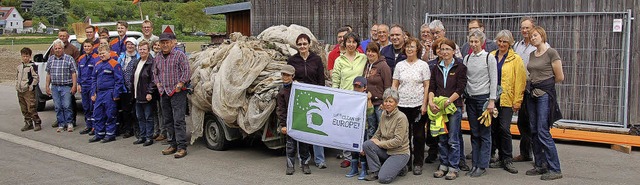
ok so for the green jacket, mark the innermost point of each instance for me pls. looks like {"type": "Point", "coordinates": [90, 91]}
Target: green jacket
{"type": "Point", "coordinates": [439, 119]}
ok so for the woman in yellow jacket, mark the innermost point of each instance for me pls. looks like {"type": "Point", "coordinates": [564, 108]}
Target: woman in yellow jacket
{"type": "Point", "coordinates": [512, 78]}
{"type": "Point", "coordinates": [349, 65]}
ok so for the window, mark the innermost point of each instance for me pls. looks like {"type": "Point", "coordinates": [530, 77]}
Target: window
{"type": "Point", "coordinates": [11, 23]}
{"type": "Point", "coordinates": [14, 15]}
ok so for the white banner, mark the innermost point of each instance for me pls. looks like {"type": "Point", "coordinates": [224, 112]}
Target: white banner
{"type": "Point", "coordinates": [328, 117]}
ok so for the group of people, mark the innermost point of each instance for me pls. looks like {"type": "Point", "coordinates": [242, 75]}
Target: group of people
{"type": "Point", "coordinates": [123, 81]}
{"type": "Point", "coordinates": [418, 89]}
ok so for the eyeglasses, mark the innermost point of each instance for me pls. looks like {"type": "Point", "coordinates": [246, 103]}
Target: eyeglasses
{"type": "Point", "coordinates": [302, 44]}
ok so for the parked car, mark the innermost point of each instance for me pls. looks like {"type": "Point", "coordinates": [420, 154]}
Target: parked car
{"type": "Point", "coordinates": [41, 61]}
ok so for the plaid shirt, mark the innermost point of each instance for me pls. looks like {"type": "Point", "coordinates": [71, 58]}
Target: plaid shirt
{"type": "Point", "coordinates": [61, 69]}
{"type": "Point", "coordinates": [170, 71]}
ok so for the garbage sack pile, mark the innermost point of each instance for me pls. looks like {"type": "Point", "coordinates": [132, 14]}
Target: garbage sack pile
{"type": "Point", "coordinates": [239, 80]}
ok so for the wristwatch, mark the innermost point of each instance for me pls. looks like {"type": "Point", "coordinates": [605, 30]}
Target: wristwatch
{"type": "Point", "coordinates": [448, 101]}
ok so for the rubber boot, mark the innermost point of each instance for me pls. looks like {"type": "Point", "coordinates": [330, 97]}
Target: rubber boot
{"type": "Point", "coordinates": [363, 171]}
{"type": "Point", "coordinates": [354, 169]}
{"type": "Point", "coordinates": [27, 126]}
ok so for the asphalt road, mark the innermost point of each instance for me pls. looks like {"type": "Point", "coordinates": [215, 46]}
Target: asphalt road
{"type": "Point", "coordinates": [47, 157]}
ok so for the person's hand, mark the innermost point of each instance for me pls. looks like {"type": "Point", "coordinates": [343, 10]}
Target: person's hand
{"type": "Point", "coordinates": [491, 106]}
{"type": "Point", "coordinates": [516, 108]}
{"type": "Point", "coordinates": [73, 90]}
{"type": "Point", "coordinates": [423, 109]}
{"type": "Point", "coordinates": [116, 99]}
{"type": "Point", "coordinates": [149, 97]}
{"type": "Point", "coordinates": [179, 87]}
{"type": "Point", "coordinates": [375, 141]}
{"type": "Point", "coordinates": [79, 89]}
{"type": "Point", "coordinates": [434, 107]}
{"type": "Point", "coordinates": [369, 95]}
{"type": "Point", "coordinates": [48, 90]}
{"type": "Point", "coordinates": [362, 153]}
{"type": "Point", "coordinates": [93, 98]}
{"type": "Point", "coordinates": [283, 130]}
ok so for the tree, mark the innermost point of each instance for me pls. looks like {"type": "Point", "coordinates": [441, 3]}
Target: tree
{"type": "Point", "coordinates": [52, 10]}
{"type": "Point", "coordinates": [192, 17]}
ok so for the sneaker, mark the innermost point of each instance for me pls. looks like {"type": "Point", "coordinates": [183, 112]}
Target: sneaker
{"type": "Point", "coordinates": [70, 128]}
{"type": "Point", "coordinates": [497, 164]}
{"type": "Point", "coordinates": [372, 176]}
{"type": "Point", "coordinates": [290, 170]}
{"type": "Point", "coordinates": [551, 176]}
{"type": "Point", "coordinates": [478, 172]}
{"type": "Point", "coordinates": [404, 171]}
{"type": "Point", "coordinates": [451, 175]}
{"type": "Point", "coordinates": [473, 169]}
{"type": "Point", "coordinates": [94, 139]}
{"type": "Point", "coordinates": [536, 171]}
{"type": "Point", "coordinates": [108, 139]}
{"type": "Point", "coordinates": [508, 166]}
{"type": "Point", "coordinates": [521, 158]}
{"type": "Point", "coordinates": [148, 142]}
{"type": "Point", "coordinates": [493, 160]}
{"type": "Point", "coordinates": [85, 131]}
{"type": "Point", "coordinates": [54, 125]}
{"type": "Point", "coordinates": [27, 126]}
{"type": "Point", "coordinates": [92, 132]}
{"type": "Point", "coordinates": [321, 165]}
{"type": "Point", "coordinates": [441, 172]}
{"type": "Point", "coordinates": [345, 164]}
{"type": "Point", "coordinates": [180, 154]}
{"type": "Point", "coordinates": [139, 141]}
{"type": "Point", "coordinates": [417, 170]}
{"type": "Point", "coordinates": [306, 169]}
{"type": "Point", "coordinates": [169, 151]}
{"type": "Point", "coordinates": [60, 129]}
{"type": "Point", "coordinates": [161, 138]}
{"type": "Point", "coordinates": [37, 127]}
{"type": "Point", "coordinates": [463, 166]}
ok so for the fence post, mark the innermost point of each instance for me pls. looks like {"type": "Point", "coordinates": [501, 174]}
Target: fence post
{"type": "Point", "coordinates": [627, 47]}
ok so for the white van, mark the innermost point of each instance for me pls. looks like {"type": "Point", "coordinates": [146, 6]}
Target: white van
{"type": "Point", "coordinates": [41, 61]}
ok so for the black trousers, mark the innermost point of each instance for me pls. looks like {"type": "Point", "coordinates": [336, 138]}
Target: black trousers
{"type": "Point", "coordinates": [416, 133]}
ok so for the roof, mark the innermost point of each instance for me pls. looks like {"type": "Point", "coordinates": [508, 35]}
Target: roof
{"type": "Point", "coordinates": [27, 23]}
{"type": "Point", "coordinates": [6, 11]}
{"type": "Point", "coordinates": [228, 8]}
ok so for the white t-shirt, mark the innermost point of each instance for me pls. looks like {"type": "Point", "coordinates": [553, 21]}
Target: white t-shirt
{"type": "Point", "coordinates": [411, 78]}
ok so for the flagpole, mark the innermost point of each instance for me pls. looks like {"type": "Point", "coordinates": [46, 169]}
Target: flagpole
{"type": "Point", "coordinates": [140, 8]}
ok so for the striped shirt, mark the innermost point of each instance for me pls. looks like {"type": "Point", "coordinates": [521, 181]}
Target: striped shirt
{"type": "Point", "coordinates": [60, 69]}
{"type": "Point", "coordinates": [170, 70]}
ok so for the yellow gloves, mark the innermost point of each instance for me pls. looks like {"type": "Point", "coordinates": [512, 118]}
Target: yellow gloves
{"type": "Point", "coordinates": [486, 117]}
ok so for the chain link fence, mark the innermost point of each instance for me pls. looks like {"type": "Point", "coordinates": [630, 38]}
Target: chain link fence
{"type": "Point", "coordinates": [595, 59]}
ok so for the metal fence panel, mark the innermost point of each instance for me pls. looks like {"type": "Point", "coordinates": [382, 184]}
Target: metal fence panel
{"type": "Point", "coordinates": [595, 59]}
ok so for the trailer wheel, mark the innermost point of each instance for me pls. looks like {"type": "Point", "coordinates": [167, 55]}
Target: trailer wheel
{"type": "Point", "coordinates": [214, 134]}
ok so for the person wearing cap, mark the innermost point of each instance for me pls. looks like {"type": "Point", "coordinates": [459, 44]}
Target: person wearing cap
{"type": "Point", "coordinates": [360, 85]}
{"type": "Point", "coordinates": [170, 74]}
{"type": "Point", "coordinates": [125, 105]}
{"type": "Point", "coordinates": [287, 73]}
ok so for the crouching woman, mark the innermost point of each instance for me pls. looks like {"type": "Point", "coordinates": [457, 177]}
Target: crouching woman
{"type": "Point", "coordinates": [390, 143]}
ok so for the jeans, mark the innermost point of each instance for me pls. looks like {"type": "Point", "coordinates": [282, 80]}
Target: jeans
{"type": "Point", "coordinates": [293, 147]}
{"type": "Point", "coordinates": [416, 133]}
{"type": "Point", "coordinates": [318, 154]}
{"type": "Point", "coordinates": [525, 130]}
{"type": "Point", "coordinates": [449, 144]}
{"type": "Point", "coordinates": [62, 100]}
{"type": "Point", "coordinates": [480, 134]}
{"type": "Point", "coordinates": [144, 112]}
{"type": "Point", "coordinates": [501, 129]}
{"type": "Point", "coordinates": [173, 111]}
{"type": "Point", "coordinates": [387, 166]}
{"type": "Point", "coordinates": [544, 148]}
{"type": "Point", "coordinates": [372, 121]}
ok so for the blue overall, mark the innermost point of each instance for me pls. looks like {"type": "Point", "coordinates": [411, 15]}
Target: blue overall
{"type": "Point", "coordinates": [107, 85]}
{"type": "Point", "coordinates": [86, 65]}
